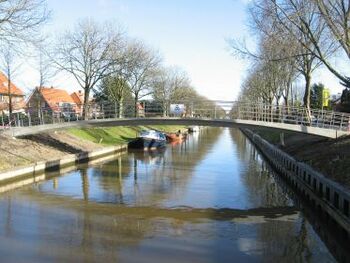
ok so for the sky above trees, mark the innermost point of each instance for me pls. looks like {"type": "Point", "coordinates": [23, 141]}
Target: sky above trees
{"type": "Point", "coordinates": [188, 33]}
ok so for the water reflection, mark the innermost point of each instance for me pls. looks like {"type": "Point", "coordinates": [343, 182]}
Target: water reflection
{"type": "Point", "coordinates": [209, 199]}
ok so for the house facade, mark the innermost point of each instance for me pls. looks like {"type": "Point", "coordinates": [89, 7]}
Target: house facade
{"type": "Point", "coordinates": [17, 96]}
{"type": "Point", "coordinates": [78, 98]}
{"type": "Point", "coordinates": [52, 101]}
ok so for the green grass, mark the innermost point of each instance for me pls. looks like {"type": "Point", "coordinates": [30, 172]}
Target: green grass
{"type": "Point", "coordinates": [273, 136]}
{"type": "Point", "coordinates": [116, 135]}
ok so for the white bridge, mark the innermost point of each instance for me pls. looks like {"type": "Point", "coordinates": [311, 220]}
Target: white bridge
{"type": "Point", "coordinates": [209, 113]}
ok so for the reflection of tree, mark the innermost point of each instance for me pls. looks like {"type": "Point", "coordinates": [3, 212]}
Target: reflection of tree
{"type": "Point", "coordinates": [155, 174]}
{"type": "Point", "coordinates": [269, 190]}
{"type": "Point", "coordinates": [85, 184]}
{"type": "Point", "coordinates": [257, 177]}
{"type": "Point", "coordinates": [55, 183]}
{"type": "Point", "coordinates": [9, 217]}
{"type": "Point", "coordinates": [300, 248]}
{"type": "Point", "coordinates": [110, 177]}
{"type": "Point", "coordinates": [166, 173]}
{"type": "Point", "coordinates": [79, 231]}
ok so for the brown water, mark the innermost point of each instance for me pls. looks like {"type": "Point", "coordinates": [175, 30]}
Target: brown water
{"type": "Point", "coordinates": [211, 199]}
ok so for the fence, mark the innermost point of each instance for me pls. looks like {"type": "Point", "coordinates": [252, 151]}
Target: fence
{"type": "Point", "coordinates": [192, 109]}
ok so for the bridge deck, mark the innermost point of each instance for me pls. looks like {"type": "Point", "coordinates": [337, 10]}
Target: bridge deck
{"type": "Point", "coordinates": [324, 132]}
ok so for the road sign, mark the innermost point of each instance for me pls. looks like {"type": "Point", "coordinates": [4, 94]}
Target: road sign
{"type": "Point", "coordinates": [325, 97]}
{"type": "Point", "coordinates": [177, 109]}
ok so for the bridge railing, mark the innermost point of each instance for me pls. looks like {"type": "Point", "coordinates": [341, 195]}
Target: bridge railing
{"type": "Point", "coordinates": [189, 109]}
{"type": "Point", "coordinates": [292, 115]}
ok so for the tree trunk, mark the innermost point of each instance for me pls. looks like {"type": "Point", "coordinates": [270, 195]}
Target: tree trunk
{"type": "Point", "coordinates": [135, 106]}
{"type": "Point", "coordinates": [120, 110]}
{"type": "Point", "coordinates": [10, 95]}
{"type": "Point", "coordinates": [270, 110]}
{"type": "Point", "coordinates": [307, 95]}
{"type": "Point", "coordinates": [86, 103]}
{"type": "Point", "coordinates": [165, 109]}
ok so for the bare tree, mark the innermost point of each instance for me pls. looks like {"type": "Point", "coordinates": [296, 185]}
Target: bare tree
{"type": "Point", "coordinates": [305, 20]}
{"type": "Point", "coordinates": [44, 68]}
{"type": "Point", "coordinates": [8, 65]}
{"type": "Point", "coordinates": [144, 64]}
{"type": "Point", "coordinates": [87, 53]}
{"type": "Point", "coordinates": [20, 20]}
{"type": "Point", "coordinates": [166, 82]}
{"type": "Point", "coordinates": [115, 89]}
{"type": "Point", "coordinates": [118, 87]}
{"type": "Point", "coordinates": [287, 23]}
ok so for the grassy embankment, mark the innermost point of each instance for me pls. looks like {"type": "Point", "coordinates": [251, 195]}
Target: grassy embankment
{"type": "Point", "coordinates": [329, 156]}
{"type": "Point", "coordinates": [117, 135]}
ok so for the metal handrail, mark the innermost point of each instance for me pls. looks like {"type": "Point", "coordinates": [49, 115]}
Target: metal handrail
{"type": "Point", "coordinates": [193, 109]}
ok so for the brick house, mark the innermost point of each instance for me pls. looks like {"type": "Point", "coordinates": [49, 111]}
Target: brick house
{"type": "Point", "coordinates": [78, 98]}
{"type": "Point", "coordinates": [17, 96]}
{"type": "Point", "coordinates": [52, 101]}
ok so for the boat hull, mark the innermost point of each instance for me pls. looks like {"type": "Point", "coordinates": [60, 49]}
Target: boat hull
{"type": "Point", "coordinates": [172, 137]}
{"type": "Point", "coordinates": [146, 144]}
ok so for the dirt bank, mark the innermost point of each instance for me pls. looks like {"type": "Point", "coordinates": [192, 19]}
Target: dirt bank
{"type": "Point", "coordinates": [20, 152]}
{"type": "Point", "coordinates": [329, 156]}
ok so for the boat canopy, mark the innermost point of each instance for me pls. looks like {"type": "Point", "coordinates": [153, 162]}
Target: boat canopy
{"type": "Point", "coordinates": [152, 134]}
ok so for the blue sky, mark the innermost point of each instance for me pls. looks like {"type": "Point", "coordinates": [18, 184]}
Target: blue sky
{"type": "Point", "coordinates": [188, 33]}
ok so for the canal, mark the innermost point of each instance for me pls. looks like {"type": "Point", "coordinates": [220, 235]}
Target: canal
{"type": "Point", "coordinates": [209, 199]}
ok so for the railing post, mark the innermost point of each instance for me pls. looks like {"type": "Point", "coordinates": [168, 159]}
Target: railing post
{"type": "Point", "coordinates": [103, 112]}
{"type": "Point", "coordinates": [29, 119]}
{"type": "Point", "coordinates": [2, 120]}
{"type": "Point", "coordinates": [43, 118]}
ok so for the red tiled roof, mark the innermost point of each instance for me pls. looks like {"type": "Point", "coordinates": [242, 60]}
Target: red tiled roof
{"type": "Point", "coordinates": [55, 96]}
{"type": "Point", "coordinates": [4, 87]}
{"type": "Point", "coordinates": [78, 97]}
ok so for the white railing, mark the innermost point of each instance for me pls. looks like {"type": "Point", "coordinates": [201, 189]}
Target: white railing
{"type": "Point", "coordinates": [228, 110]}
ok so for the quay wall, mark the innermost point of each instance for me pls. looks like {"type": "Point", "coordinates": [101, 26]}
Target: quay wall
{"type": "Point", "coordinates": [321, 192]}
{"type": "Point", "coordinates": [38, 168]}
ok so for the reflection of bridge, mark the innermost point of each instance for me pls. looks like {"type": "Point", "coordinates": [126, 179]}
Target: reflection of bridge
{"type": "Point", "coordinates": [217, 114]}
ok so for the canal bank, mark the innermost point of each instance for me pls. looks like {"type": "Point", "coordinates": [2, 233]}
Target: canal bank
{"type": "Point", "coordinates": [327, 196]}
{"type": "Point", "coordinates": [330, 157]}
{"type": "Point", "coordinates": [36, 154]}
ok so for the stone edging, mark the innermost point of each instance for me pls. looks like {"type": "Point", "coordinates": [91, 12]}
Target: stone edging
{"type": "Point", "coordinates": [319, 190]}
{"type": "Point", "coordinates": [52, 165]}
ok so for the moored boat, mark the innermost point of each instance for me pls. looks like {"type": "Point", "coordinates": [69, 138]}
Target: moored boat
{"type": "Point", "coordinates": [175, 137]}
{"type": "Point", "coordinates": [193, 129]}
{"type": "Point", "coordinates": [148, 140]}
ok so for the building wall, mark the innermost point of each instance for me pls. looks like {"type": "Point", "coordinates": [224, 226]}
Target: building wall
{"type": "Point", "coordinates": [18, 102]}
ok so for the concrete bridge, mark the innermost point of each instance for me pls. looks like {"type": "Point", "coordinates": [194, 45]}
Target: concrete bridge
{"type": "Point", "coordinates": [230, 123]}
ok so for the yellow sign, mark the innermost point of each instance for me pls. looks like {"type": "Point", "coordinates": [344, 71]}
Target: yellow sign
{"type": "Point", "coordinates": [325, 97]}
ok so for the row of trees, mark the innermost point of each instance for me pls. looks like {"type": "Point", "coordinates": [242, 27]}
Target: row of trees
{"type": "Point", "coordinates": [103, 60]}
{"type": "Point", "coordinates": [295, 37]}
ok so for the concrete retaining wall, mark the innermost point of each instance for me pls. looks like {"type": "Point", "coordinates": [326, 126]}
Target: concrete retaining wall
{"type": "Point", "coordinates": [41, 167]}
{"type": "Point", "coordinates": [322, 192]}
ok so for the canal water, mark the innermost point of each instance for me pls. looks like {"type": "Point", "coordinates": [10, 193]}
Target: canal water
{"type": "Point", "coordinates": [209, 199]}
